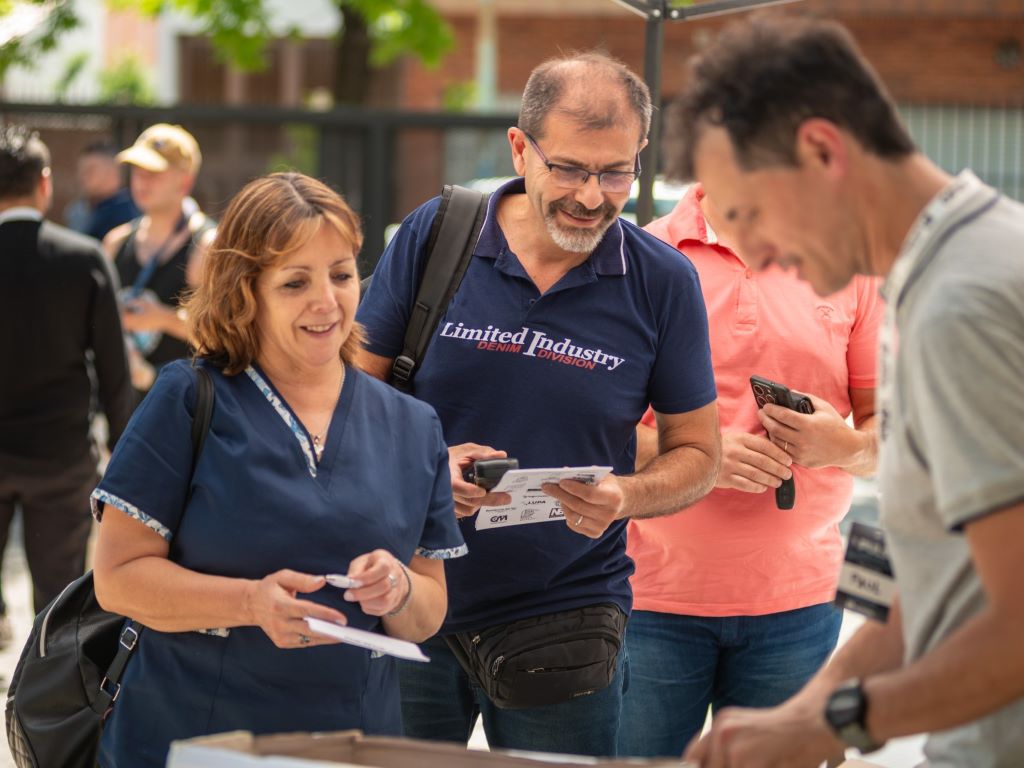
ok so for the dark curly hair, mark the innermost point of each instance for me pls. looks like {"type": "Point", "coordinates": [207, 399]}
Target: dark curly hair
{"type": "Point", "coordinates": [763, 77]}
{"type": "Point", "coordinates": [23, 159]}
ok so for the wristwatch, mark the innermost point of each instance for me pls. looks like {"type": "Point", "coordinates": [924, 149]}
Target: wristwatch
{"type": "Point", "coordinates": [846, 712]}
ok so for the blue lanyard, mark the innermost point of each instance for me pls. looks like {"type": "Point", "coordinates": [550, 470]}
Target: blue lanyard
{"type": "Point", "coordinates": [146, 273]}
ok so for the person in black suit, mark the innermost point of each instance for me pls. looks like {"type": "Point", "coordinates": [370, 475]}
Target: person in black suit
{"type": "Point", "coordinates": [61, 343]}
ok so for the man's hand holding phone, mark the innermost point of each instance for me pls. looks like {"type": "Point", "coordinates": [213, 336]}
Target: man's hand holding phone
{"type": "Point", "coordinates": [771, 394]}
{"type": "Point", "coordinates": [468, 496]}
{"type": "Point", "coordinates": [752, 463]}
{"type": "Point", "coordinates": [819, 439]}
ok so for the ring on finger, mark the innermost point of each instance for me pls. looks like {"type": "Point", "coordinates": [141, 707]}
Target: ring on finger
{"type": "Point", "coordinates": [392, 581]}
{"type": "Point", "coordinates": [579, 521]}
{"type": "Point", "coordinates": [785, 446]}
{"type": "Point", "coordinates": [305, 639]}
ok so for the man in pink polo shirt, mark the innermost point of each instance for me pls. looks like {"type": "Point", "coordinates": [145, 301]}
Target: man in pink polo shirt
{"type": "Point", "coordinates": [733, 596]}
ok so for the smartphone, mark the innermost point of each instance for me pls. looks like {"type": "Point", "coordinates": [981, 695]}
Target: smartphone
{"type": "Point", "coordinates": [768, 391]}
{"type": "Point", "coordinates": [487, 472]}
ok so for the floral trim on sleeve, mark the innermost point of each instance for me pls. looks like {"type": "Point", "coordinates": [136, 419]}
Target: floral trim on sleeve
{"type": "Point", "coordinates": [443, 554]}
{"type": "Point", "coordinates": [102, 497]}
{"type": "Point", "coordinates": [286, 415]}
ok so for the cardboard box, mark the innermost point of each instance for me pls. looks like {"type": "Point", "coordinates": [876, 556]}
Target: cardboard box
{"type": "Point", "coordinates": [350, 749]}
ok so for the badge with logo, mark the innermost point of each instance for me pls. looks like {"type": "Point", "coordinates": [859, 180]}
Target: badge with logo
{"type": "Point", "coordinates": [143, 341]}
{"type": "Point", "coordinates": [866, 582]}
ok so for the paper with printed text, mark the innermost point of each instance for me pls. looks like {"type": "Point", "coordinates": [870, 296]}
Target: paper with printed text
{"type": "Point", "coordinates": [529, 503]}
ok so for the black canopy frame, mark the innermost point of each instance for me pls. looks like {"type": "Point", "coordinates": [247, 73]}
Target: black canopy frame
{"type": "Point", "coordinates": [657, 13]}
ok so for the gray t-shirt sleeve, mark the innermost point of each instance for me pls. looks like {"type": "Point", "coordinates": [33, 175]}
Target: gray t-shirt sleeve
{"type": "Point", "coordinates": [964, 390]}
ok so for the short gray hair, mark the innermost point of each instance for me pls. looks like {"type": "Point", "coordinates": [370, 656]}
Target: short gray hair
{"type": "Point", "coordinates": [549, 82]}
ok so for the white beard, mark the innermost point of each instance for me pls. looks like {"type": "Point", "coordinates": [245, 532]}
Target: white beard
{"type": "Point", "coordinates": [575, 240]}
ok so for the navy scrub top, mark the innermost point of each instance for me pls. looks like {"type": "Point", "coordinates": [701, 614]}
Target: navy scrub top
{"type": "Point", "coordinates": [259, 503]}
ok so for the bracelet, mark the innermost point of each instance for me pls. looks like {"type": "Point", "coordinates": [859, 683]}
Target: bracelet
{"type": "Point", "coordinates": [405, 601]}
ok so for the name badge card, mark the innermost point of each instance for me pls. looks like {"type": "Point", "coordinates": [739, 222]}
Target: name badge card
{"type": "Point", "coordinates": [866, 582]}
{"type": "Point", "coordinates": [529, 503]}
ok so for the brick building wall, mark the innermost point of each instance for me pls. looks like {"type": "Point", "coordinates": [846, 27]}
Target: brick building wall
{"type": "Point", "coordinates": [927, 52]}
{"type": "Point", "coordinates": [923, 57]}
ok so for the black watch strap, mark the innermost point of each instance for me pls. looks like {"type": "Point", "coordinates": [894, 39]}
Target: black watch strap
{"type": "Point", "coordinates": [846, 713]}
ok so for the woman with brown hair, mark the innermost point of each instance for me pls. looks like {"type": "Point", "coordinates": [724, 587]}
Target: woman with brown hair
{"type": "Point", "coordinates": [310, 467]}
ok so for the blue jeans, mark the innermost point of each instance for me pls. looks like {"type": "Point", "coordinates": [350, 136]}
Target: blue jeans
{"type": "Point", "coordinates": [440, 703]}
{"type": "Point", "coordinates": [681, 665]}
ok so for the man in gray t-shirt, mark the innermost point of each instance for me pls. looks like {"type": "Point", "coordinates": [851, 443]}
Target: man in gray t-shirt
{"type": "Point", "coordinates": [798, 143]}
{"type": "Point", "coordinates": [952, 450]}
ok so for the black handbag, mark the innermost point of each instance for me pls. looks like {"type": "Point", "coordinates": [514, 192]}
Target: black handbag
{"type": "Point", "coordinates": [69, 673]}
{"type": "Point", "coordinates": [546, 659]}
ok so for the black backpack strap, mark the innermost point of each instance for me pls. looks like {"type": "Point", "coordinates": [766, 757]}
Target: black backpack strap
{"type": "Point", "coordinates": [111, 684]}
{"type": "Point", "coordinates": [450, 246]}
{"type": "Point", "coordinates": [204, 412]}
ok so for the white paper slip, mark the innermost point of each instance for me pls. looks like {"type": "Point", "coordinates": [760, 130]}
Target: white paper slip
{"type": "Point", "coordinates": [341, 581]}
{"type": "Point", "coordinates": [529, 503]}
{"type": "Point", "coordinates": [373, 641]}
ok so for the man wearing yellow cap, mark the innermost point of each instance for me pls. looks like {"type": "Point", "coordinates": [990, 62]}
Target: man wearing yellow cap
{"type": "Point", "coordinates": [158, 255]}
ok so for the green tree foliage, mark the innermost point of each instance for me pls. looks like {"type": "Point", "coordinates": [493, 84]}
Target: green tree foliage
{"type": "Point", "coordinates": [22, 50]}
{"type": "Point", "coordinates": [240, 30]}
{"type": "Point", "coordinates": [125, 83]}
{"type": "Point", "coordinates": [403, 26]}
{"type": "Point", "coordinates": [72, 69]}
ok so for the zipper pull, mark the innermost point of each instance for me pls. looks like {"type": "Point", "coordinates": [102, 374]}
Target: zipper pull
{"type": "Point", "coordinates": [476, 640]}
{"type": "Point", "coordinates": [496, 666]}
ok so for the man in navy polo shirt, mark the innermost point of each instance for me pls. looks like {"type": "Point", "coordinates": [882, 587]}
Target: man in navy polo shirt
{"type": "Point", "coordinates": [598, 319]}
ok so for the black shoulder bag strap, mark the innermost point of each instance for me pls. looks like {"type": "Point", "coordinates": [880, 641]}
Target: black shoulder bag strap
{"type": "Point", "coordinates": [111, 684]}
{"type": "Point", "coordinates": [450, 246]}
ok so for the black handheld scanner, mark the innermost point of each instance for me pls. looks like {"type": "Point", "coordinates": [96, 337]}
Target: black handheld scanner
{"type": "Point", "coordinates": [487, 472]}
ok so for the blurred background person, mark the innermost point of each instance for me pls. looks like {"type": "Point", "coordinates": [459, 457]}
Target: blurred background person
{"type": "Point", "coordinates": [106, 200]}
{"type": "Point", "coordinates": [310, 467]}
{"type": "Point", "coordinates": [59, 328]}
{"type": "Point", "coordinates": [158, 255]}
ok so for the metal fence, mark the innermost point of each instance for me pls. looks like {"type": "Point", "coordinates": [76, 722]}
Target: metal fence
{"type": "Point", "coordinates": [384, 162]}
{"type": "Point", "coordinates": [989, 140]}
{"type": "Point", "coordinates": [387, 162]}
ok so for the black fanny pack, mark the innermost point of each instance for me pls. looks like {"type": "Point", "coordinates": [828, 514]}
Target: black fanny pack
{"type": "Point", "coordinates": [546, 659]}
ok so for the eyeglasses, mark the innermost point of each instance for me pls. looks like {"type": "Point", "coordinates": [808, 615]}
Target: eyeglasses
{"type": "Point", "coordinates": [574, 177]}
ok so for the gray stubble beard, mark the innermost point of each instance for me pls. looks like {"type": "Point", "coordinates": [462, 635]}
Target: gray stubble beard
{"type": "Point", "coordinates": [578, 241]}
